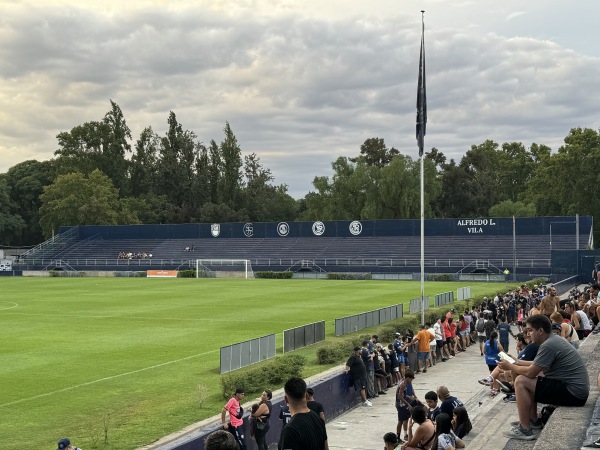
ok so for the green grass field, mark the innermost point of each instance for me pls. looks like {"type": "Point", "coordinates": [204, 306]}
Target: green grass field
{"type": "Point", "coordinates": [136, 359]}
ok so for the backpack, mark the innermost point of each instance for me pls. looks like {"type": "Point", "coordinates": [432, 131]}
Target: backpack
{"type": "Point", "coordinates": [479, 326]}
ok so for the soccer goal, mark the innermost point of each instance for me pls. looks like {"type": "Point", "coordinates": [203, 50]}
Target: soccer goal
{"type": "Point", "coordinates": [224, 268]}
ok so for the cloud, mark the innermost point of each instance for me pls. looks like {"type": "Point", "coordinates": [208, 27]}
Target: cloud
{"type": "Point", "coordinates": [299, 89]}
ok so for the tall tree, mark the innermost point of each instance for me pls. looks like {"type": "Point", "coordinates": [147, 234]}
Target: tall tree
{"type": "Point", "coordinates": [11, 224]}
{"type": "Point", "coordinates": [97, 145]}
{"type": "Point", "coordinates": [376, 153]}
{"type": "Point", "coordinates": [26, 181]}
{"type": "Point", "coordinates": [144, 164]}
{"type": "Point", "coordinates": [74, 199]}
{"type": "Point", "coordinates": [230, 181]}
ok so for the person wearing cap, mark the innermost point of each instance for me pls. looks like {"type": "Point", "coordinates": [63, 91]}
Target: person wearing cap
{"type": "Point", "coordinates": [358, 374]}
{"type": "Point", "coordinates": [65, 444]}
{"type": "Point", "coordinates": [236, 421]}
{"type": "Point", "coordinates": [565, 381]}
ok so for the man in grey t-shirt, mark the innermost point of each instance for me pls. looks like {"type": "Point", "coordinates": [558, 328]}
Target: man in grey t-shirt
{"type": "Point", "coordinates": [565, 381]}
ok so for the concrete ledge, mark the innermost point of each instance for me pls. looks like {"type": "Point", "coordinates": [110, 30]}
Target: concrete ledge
{"type": "Point", "coordinates": [567, 427]}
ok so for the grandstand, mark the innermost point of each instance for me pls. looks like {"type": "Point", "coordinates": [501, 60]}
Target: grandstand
{"type": "Point", "coordinates": [388, 246]}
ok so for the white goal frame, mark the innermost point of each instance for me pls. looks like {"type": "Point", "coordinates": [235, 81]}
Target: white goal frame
{"type": "Point", "coordinates": [246, 263]}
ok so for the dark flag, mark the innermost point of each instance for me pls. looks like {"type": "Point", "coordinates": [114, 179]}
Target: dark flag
{"type": "Point", "coordinates": [421, 97]}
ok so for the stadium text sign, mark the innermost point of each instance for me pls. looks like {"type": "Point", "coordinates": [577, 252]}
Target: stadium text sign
{"type": "Point", "coordinates": [475, 225]}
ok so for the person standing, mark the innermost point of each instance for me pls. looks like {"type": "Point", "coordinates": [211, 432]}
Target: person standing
{"type": "Point", "coordinates": [423, 338]}
{"type": "Point", "coordinates": [367, 357]}
{"type": "Point", "coordinates": [306, 430]}
{"type": "Point", "coordinates": [236, 421]}
{"type": "Point", "coordinates": [263, 415]}
{"type": "Point", "coordinates": [358, 374]}
{"type": "Point", "coordinates": [313, 405]}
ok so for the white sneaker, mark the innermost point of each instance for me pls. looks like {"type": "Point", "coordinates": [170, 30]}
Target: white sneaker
{"type": "Point", "coordinates": [367, 403]}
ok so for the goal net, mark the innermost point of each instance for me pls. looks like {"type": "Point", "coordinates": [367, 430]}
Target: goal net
{"type": "Point", "coordinates": [224, 268]}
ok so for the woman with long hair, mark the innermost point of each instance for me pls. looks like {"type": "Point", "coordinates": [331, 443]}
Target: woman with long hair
{"type": "Point", "coordinates": [445, 439]}
{"type": "Point", "coordinates": [461, 424]}
{"type": "Point", "coordinates": [262, 416]}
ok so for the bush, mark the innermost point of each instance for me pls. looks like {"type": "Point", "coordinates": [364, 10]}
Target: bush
{"type": "Point", "coordinates": [141, 274]}
{"type": "Point", "coordinates": [271, 374]}
{"type": "Point", "coordinates": [348, 276]}
{"type": "Point", "coordinates": [190, 273]}
{"type": "Point", "coordinates": [439, 277]}
{"type": "Point", "coordinates": [286, 275]}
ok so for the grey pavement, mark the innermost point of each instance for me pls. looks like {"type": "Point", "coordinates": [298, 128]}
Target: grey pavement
{"type": "Point", "coordinates": [363, 427]}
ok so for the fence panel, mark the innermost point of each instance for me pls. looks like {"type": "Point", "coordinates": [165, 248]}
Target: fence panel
{"type": "Point", "coordinates": [304, 335]}
{"type": "Point", "coordinates": [245, 353]}
{"type": "Point", "coordinates": [415, 304]}
{"type": "Point", "coordinates": [349, 324]}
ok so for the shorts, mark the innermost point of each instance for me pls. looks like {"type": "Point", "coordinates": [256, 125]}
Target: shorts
{"type": "Point", "coordinates": [440, 344]}
{"type": "Point", "coordinates": [403, 412]}
{"type": "Point", "coordinates": [423, 356]}
{"type": "Point", "coordinates": [464, 333]}
{"type": "Point", "coordinates": [401, 360]}
{"type": "Point", "coordinates": [359, 385]}
{"type": "Point", "coordinates": [555, 392]}
{"type": "Point", "coordinates": [492, 366]}
{"type": "Point", "coordinates": [482, 339]}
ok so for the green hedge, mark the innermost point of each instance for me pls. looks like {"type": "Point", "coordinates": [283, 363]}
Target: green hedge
{"type": "Point", "coordinates": [348, 276]}
{"type": "Point", "coordinates": [439, 277]}
{"type": "Point", "coordinates": [275, 275]}
{"type": "Point", "coordinates": [270, 374]}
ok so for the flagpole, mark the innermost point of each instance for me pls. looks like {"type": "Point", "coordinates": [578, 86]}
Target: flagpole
{"type": "Point", "coordinates": [421, 124]}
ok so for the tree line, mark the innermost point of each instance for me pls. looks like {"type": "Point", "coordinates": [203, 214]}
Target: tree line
{"type": "Point", "coordinates": [100, 176]}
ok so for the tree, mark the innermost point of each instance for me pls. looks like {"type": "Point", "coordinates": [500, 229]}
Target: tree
{"type": "Point", "coordinates": [99, 145]}
{"type": "Point", "coordinates": [74, 199]}
{"type": "Point", "coordinates": [11, 224]}
{"type": "Point", "coordinates": [508, 208]}
{"type": "Point", "coordinates": [26, 182]}
{"type": "Point", "coordinates": [229, 185]}
{"type": "Point", "coordinates": [376, 153]}
{"type": "Point", "coordinates": [143, 169]}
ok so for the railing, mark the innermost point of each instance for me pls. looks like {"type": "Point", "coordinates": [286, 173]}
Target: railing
{"type": "Point", "coordinates": [275, 262]}
{"type": "Point", "coordinates": [53, 245]}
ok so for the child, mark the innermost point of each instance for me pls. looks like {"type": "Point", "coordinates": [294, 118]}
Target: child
{"type": "Point", "coordinates": [431, 399]}
{"type": "Point", "coordinates": [461, 424]}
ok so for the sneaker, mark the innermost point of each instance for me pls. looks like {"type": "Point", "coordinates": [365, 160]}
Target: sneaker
{"type": "Point", "coordinates": [418, 371]}
{"type": "Point", "coordinates": [519, 433]}
{"type": "Point", "coordinates": [406, 437]}
{"type": "Point", "coordinates": [535, 424]}
{"type": "Point", "coordinates": [424, 370]}
{"type": "Point", "coordinates": [511, 399]}
{"type": "Point", "coordinates": [367, 403]}
{"type": "Point", "coordinates": [485, 382]}
{"type": "Point", "coordinates": [444, 359]}
{"type": "Point", "coordinates": [382, 393]}
{"type": "Point", "coordinates": [505, 387]}
{"type": "Point", "coordinates": [493, 393]}
{"type": "Point", "coordinates": [451, 356]}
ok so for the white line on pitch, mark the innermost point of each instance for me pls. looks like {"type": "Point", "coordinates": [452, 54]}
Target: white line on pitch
{"type": "Point", "coordinates": [106, 379]}
{"type": "Point", "coordinates": [14, 305]}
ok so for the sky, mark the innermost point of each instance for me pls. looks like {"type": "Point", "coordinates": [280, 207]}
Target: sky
{"type": "Point", "coordinates": [301, 82]}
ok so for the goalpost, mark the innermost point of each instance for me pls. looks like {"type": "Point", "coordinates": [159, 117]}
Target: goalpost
{"type": "Point", "coordinates": [224, 268]}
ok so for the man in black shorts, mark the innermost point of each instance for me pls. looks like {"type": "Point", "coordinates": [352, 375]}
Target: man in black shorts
{"type": "Point", "coordinates": [565, 381]}
{"type": "Point", "coordinates": [358, 374]}
{"type": "Point", "coordinates": [306, 430]}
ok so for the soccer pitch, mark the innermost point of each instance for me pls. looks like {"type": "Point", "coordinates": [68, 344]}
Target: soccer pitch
{"type": "Point", "coordinates": [121, 362]}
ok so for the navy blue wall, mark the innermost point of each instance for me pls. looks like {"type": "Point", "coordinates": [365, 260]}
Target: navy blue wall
{"type": "Point", "coordinates": [344, 228]}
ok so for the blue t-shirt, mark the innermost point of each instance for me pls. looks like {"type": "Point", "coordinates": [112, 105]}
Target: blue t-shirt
{"type": "Point", "coordinates": [529, 352]}
{"type": "Point", "coordinates": [503, 331]}
{"type": "Point", "coordinates": [491, 352]}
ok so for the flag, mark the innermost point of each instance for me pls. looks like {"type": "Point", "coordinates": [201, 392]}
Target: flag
{"type": "Point", "coordinates": [421, 97]}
